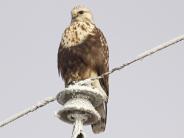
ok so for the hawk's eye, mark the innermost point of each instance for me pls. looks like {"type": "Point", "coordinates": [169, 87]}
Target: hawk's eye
{"type": "Point", "coordinates": [81, 12]}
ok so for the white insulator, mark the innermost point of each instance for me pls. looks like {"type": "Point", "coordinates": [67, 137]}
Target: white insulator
{"type": "Point", "coordinates": [78, 106]}
{"type": "Point", "coordinates": [79, 103]}
{"type": "Point", "coordinates": [94, 95]}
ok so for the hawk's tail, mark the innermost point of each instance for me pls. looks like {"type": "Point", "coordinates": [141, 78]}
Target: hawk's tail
{"type": "Point", "coordinates": [100, 125]}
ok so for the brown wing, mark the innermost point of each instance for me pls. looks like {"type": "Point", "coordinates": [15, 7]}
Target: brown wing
{"type": "Point", "coordinates": [105, 66]}
{"type": "Point", "coordinates": [104, 82]}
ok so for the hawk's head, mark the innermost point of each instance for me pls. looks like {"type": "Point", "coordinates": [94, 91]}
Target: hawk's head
{"type": "Point", "coordinates": [81, 13]}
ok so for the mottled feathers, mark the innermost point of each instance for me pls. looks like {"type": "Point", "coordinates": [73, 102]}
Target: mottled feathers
{"type": "Point", "coordinates": [82, 54]}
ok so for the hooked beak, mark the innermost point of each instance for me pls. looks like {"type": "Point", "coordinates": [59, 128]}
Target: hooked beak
{"type": "Point", "coordinates": [74, 15]}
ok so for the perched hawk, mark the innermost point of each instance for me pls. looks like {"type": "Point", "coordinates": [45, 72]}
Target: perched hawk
{"type": "Point", "coordinates": [83, 54]}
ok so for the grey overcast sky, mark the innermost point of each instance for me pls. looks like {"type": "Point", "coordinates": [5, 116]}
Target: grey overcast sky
{"type": "Point", "coordinates": [146, 99]}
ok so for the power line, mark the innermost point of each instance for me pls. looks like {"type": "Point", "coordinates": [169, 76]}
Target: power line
{"type": "Point", "coordinates": [138, 58]}
{"type": "Point", "coordinates": [28, 110]}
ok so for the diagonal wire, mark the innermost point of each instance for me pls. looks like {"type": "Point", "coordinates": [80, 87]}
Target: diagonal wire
{"type": "Point", "coordinates": [27, 110]}
{"type": "Point", "coordinates": [138, 58]}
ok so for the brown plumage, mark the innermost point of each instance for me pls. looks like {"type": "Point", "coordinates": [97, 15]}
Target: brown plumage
{"type": "Point", "coordinates": [82, 54]}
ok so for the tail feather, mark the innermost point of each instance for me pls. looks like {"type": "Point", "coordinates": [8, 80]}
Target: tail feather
{"type": "Point", "coordinates": [100, 125]}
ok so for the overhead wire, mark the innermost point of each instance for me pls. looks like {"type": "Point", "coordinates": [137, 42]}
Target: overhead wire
{"type": "Point", "coordinates": [52, 99]}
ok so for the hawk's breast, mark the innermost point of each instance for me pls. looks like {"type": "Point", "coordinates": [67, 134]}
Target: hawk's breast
{"type": "Point", "coordinates": [76, 33]}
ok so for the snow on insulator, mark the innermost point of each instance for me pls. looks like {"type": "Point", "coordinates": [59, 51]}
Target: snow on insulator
{"type": "Point", "coordinates": [79, 102]}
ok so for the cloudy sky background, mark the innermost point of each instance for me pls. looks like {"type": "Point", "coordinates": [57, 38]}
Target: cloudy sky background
{"type": "Point", "coordinates": [146, 99]}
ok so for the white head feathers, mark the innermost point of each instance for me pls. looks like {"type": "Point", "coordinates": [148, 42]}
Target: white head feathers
{"type": "Point", "coordinates": [81, 13]}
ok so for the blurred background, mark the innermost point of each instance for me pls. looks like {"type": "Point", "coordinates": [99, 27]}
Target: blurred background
{"type": "Point", "coordinates": [146, 98]}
